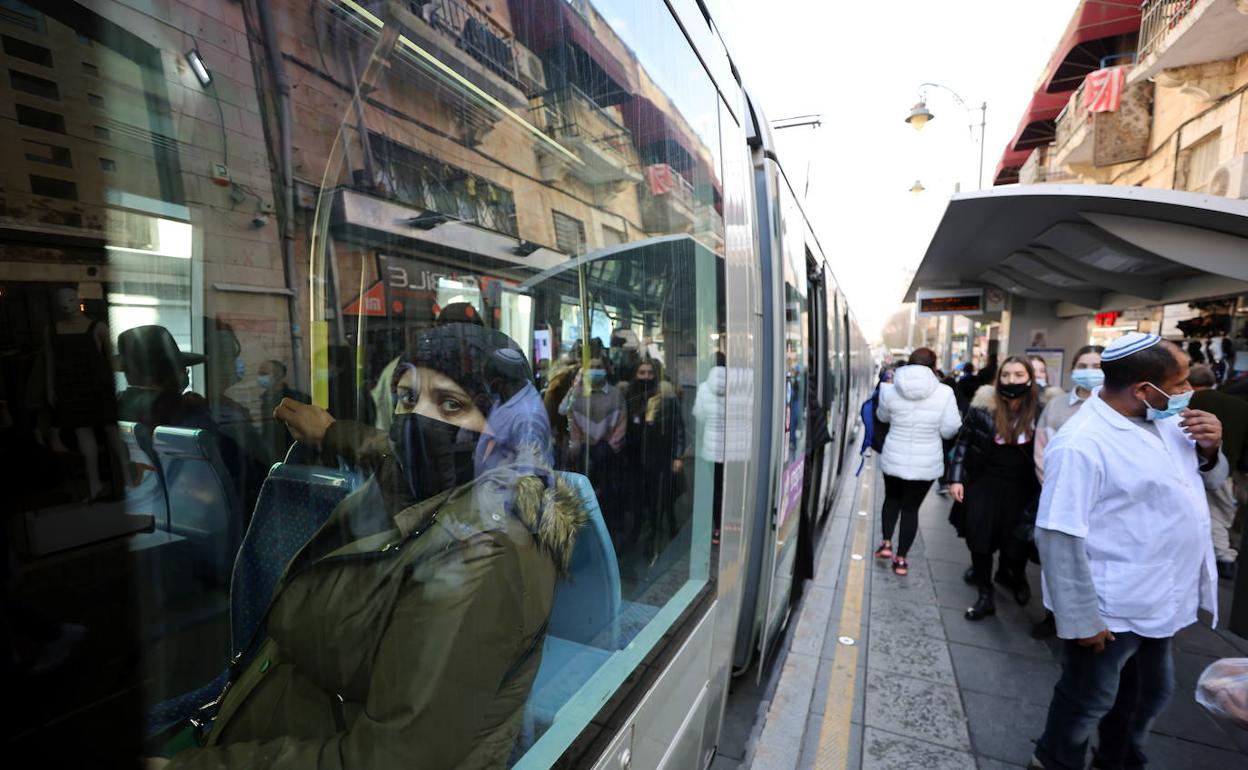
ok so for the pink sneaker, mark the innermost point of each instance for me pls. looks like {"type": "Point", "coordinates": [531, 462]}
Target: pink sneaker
{"type": "Point", "coordinates": [885, 551]}
{"type": "Point", "coordinates": [900, 565]}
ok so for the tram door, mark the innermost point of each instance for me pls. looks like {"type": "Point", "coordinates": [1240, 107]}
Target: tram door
{"type": "Point", "coordinates": [815, 478]}
{"type": "Point", "coordinates": [794, 318]}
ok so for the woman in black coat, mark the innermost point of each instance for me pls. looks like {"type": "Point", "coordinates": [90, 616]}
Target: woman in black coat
{"type": "Point", "coordinates": [993, 478]}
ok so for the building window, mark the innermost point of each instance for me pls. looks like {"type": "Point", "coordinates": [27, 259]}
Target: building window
{"type": "Point", "coordinates": [90, 69]}
{"type": "Point", "coordinates": [103, 134]}
{"type": "Point", "coordinates": [108, 164]}
{"type": "Point", "coordinates": [425, 182]}
{"type": "Point", "coordinates": [20, 49]}
{"type": "Point", "coordinates": [41, 119]}
{"type": "Point", "coordinates": [53, 188]}
{"type": "Point", "coordinates": [1198, 163]}
{"type": "Point", "coordinates": [42, 152]}
{"type": "Point", "coordinates": [569, 234]}
{"type": "Point", "coordinates": [613, 237]}
{"type": "Point", "coordinates": [21, 15]}
{"type": "Point", "coordinates": [35, 86]}
{"type": "Point", "coordinates": [95, 100]}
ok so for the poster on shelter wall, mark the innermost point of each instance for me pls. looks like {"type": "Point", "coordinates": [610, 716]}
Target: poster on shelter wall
{"type": "Point", "coordinates": [1054, 362]}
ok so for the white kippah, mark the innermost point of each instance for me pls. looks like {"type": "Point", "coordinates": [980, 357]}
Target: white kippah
{"type": "Point", "coordinates": [1128, 344]}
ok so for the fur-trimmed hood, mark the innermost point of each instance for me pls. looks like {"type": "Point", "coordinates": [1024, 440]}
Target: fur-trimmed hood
{"type": "Point", "coordinates": [554, 516]}
{"type": "Point", "coordinates": [986, 397]}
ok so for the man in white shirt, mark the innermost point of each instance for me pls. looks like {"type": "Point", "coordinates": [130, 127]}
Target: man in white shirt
{"type": "Point", "coordinates": [1123, 534]}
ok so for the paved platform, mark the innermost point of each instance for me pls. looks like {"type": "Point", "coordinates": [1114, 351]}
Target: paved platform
{"type": "Point", "coordinates": [884, 672]}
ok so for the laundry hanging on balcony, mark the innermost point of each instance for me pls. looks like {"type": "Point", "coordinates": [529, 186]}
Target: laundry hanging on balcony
{"type": "Point", "coordinates": [661, 178]}
{"type": "Point", "coordinates": [1102, 90]}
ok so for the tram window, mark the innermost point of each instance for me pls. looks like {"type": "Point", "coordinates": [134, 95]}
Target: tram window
{"type": "Point", "coordinates": [369, 415]}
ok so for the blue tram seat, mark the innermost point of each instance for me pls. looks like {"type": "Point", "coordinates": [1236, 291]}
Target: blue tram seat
{"type": "Point", "coordinates": [582, 633]}
{"type": "Point", "coordinates": [294, 502]}
{"type": "Point", "coordinates": [203, 504]}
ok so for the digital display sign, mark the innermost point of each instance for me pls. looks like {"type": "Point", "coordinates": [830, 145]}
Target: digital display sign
{"type": "Point", "coordinates": [949, 302]}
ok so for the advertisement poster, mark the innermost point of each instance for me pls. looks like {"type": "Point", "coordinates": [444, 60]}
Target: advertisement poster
{"type": "Point", "coordinates": [791, 491]}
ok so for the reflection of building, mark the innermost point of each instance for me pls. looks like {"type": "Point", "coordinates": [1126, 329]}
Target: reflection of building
{"type": "Point", "coordinates": [528, 123]}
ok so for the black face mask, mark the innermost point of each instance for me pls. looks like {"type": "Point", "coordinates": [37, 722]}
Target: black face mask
{"type": "Point", "coordinates": [647, 386]}
{"type": "Point", "coordinates": [435, 455]}
{"type": "Point", "coordinates": [1014, 390]}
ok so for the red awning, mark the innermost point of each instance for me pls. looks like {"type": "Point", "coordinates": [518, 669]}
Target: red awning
{"type": "Point", "coordinates": [1007, 169]}
{"type": "Point", "coordinates": [650, 124]}
{"type": "Point", "coordinates": [1036, 127]}
{"type": "Point", "coordinates": [1093, 21]}
{"type": "Point", "coordinates": [544, 25]}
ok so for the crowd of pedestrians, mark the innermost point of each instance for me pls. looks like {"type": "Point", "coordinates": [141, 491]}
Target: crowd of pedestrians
{"type": "Point", "coordinates": [1124, 489]}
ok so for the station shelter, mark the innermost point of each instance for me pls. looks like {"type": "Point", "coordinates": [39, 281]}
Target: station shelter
{"type": "Point", "coordinates": [1046, 269]}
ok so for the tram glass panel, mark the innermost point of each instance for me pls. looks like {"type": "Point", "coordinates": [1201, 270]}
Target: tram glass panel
{"type": "Point", "coordinates": [360, 244]}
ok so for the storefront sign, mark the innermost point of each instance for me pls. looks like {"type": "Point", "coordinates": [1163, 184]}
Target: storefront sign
{"type": "Point", "coordinates": [938, 302]}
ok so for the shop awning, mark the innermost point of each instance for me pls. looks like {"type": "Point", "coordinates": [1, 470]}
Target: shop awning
{"type": "Point", "coordinates": [1039, 124]}
{"type": "Point", "coordinates": [546, 25]}
{"type": "Point", "coordinates": [651, 125]}
{"type": "Point", "coordinates": [1009, 165]}
{"type": "Point", "coordinates": [1097, 29]}
{"type": "Point", "coordinates": [1090, 248]}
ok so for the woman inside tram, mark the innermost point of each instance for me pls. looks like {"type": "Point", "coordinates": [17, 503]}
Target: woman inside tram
{"type": "Point", "coordinates": [654, 446]}
{"type": "Point", "coordinates": [407, 632]}
{"type": "Point", "coordinates": [994, 480]}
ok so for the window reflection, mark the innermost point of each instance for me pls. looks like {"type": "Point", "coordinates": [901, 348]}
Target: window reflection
{"type": "Point", "coordinates": [385, 456]}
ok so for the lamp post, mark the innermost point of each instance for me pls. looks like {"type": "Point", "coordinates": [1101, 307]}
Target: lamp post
{"type": "Point", "coordinates": [920, 116]}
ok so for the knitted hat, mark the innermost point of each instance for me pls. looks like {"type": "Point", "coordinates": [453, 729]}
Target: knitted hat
{"type": "Point", "coordinates": [486, 363]}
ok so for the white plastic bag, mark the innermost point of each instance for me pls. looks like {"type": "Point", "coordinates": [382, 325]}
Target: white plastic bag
{"type": "Point", "coordinates": [1223, 689]}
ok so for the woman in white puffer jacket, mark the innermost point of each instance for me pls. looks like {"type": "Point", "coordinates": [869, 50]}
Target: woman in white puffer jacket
{"type": "Point", "coordinates": [921, 413]}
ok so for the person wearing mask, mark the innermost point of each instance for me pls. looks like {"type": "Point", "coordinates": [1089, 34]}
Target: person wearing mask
{"type": "Point", "coordinates": [655, 446]}
{"type": "Point", "coordinates": [1041, 370]}
{"type": "Point", "coordinates": [711, 417]}
{"type": "Point", "coordinates": [408, 631]}
{"type": "Point", "coordinates": [994, 479]}
{"type": "Point", "coordinates": [272, 380]}
{"type": "Point", "coordinates": [921, 413]}
{"type": "Point", "coordinates": [1123, 533]}
{"type": "Point", "coordinates": [597, 429]}
{"type": "Point", "coordinates": [1087, 376]}
{"type": "Point", "coordinates": [1225, 500]}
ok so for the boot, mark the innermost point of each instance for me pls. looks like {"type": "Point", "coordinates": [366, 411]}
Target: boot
{"type": "Point", "coordinates": [968, 577]}
{"type": "Point", "coordinates": [1022, 590]}
{"type": "Point", "coordinates": [984, 606]}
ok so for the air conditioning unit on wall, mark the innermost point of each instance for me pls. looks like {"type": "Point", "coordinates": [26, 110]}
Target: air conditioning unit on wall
{"type": "Point", "coordinates": [529, 70]}
{"type": "Point", "coordinates": [1231, 180]}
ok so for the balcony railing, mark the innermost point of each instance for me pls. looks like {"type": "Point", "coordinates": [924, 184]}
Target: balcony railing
{"type": "Point", "coordinates": [669, 204]}
{"type": "Point", "coordinates": [1095, 139]}
{"type": "Point", "coordinates": [569, 115]}
{"type": "Point", "coordinates": [1158, 18]}
{"type": "Point", "coordinates": [473, 31]}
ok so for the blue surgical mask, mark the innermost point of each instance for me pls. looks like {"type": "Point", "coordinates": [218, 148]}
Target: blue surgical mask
{"type": "Point", "coordinates": [1174, 404]}
{"type": "Point", "coordinates": [597, 377]}
{"type": "Point", "coordinates": [1088, 379]}
{"type": "Point", "coordinates": [264, 380]}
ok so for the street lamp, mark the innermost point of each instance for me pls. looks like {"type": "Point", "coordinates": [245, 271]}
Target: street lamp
{"type": "Point", "coordinates": [920, 116]}
{"type": "Point", "coordinates": [917, 187]}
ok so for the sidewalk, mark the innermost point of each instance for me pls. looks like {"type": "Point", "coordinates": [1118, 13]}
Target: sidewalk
{"type": "Point", "coordinates": [930, 689]}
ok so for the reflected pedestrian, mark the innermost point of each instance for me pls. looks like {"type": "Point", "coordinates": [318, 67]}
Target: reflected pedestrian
{"type": "Point", "coordinates": [920, 412]}
{"type": "Point", "coordinates": [1123, 502]}
{"type": "Point", "coordinates": [709, 412]}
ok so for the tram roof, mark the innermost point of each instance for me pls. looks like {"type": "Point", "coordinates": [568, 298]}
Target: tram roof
{"type": "Point", "coordinates": [1090, 248]}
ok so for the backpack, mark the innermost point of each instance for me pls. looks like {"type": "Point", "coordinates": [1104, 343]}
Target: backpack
{"type": "Point", "coordinates": [874, 431]}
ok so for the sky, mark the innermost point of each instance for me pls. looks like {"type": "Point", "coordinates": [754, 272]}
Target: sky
{"type": "Point", "coordinates": [859, 64]}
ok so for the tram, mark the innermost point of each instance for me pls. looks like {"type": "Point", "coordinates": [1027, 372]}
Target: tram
{"type": "Point", "coordinates": [211, 211]}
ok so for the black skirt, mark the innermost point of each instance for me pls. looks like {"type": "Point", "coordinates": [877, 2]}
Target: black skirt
{"type": "Point", "coordinates": [997, 501]}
